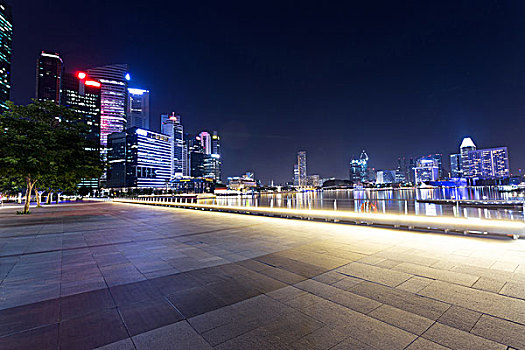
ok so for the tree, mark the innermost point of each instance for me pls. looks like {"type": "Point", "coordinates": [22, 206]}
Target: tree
{"type": "Point", "coordinates": [47, 146]}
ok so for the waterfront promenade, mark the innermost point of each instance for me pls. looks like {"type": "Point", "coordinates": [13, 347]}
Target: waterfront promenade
{"type": "Point", "coordinates": [124, 276]}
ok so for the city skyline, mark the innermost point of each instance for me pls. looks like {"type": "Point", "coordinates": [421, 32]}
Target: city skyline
{"type": "Point", "coordinates": [344, 93]}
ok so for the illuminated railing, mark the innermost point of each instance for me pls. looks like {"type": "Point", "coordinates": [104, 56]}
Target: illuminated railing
{"type": "Point", "coordinates": [513, 229]}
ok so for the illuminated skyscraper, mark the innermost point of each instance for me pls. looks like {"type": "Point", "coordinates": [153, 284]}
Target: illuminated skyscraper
{"type": "Point", "coordinates": [49, 71]}
{"type": "Point", "coordinates": [138, 108]}
{"type": "Point", "coordinates": [455, 165]}
{"type": "Point", "coordinates": [301, 169]}
{"type": "Point", "coordinates": [170, 125]}
{"type": "Point", "coordinates": [358, 169]}
{"type": "Point", "coordinates": [82, 94]}
{"type": "Point", "coordinates": [6, 38]}
{"type": "Point", "coordinates": [467, 145]}
{"type": "Point", "coordinates": [482, 163]}
{"type": "Point", "coordinates": [114, 89]}
{"type": "Point", "coordinates": [139, 158]}
{"type": "Point", "coordinates": [489, 163]}
{"type": "Point", "coordinates": [205, 138]}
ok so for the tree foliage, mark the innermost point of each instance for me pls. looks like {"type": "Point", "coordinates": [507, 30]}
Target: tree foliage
{"type": "Point", "coordinates": [46, 146]}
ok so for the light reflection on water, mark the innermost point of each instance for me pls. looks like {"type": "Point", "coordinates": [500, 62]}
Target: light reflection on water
{"type": "Point", "coordinates": [384, 201]}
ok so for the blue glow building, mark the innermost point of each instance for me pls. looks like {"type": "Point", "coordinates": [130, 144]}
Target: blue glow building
{"type": "Point", "coordinates": [139, 158]}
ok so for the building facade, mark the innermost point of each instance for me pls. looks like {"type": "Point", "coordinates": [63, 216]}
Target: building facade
{"type": "Point", "coordinates": [386, 177]}
{"type": "Point", "coordinates": [467, 145]}
{"type": "Point", "coordinates": [6, 43]}
{"type": "Point", "coordinates": [139, 158]}
{"type": "Point", "coordinates": [138, 108]}
{"type": "Point", "coordinates": [455, 166]}
{"type": "Point", "coordinates": [491, 163]}
{"type": "Point", "coordinates": [114, 91]}
{"type": "Point", "coordinates": [49, 71]}
{"type": "Point", "coordinates": [171, 125]}
{"type": "Point", "coordinates": [358, 169]}
{"type": "Point", "coordinates": [427, 169]}
{"type": "Point", "coordinates": [82, 94]}
{"type": "Point", "coordinates": [301, 169]}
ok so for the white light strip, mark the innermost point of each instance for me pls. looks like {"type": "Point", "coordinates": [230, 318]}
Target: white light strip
{"type": "Point", "coordinates": [501, 227]}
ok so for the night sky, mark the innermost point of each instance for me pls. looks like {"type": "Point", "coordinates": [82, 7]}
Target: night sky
{"type": "Point", "coordinates": [395, 78]}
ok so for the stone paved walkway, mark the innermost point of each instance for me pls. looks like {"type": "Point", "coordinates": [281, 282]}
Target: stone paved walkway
{"type": "Point", "coordinates": [120, 276]}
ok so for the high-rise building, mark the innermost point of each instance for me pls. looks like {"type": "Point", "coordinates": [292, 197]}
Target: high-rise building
{"type": "Point", "coordinates": [215, 143]}
{"type": "Point", "coordinates": [386, 176]}
{"type": "Point", "coordinates": [171, 125]}
{"type": "Point", "coordinates": [114, 90]}
{"type": "Point", "coordinates": [437, 158]}
{"type": "Point", "coordinates": [206, 143]}
{"type": "Point", "coordinates": [212, 161]}
{"type": "Point", "coordinates": [489, 163]}
{"type": "Point", "coordinates": [49, 71]}
{"type": "Point", "coordinates": [455, 165]}
{"type": "Point", "coordinates": [483, 163]}
{"type": "Point", "coordinates": [6, 39]}
{"type": "Point", "coordinates": [195, 156]}
{"type": "Point", "coordinates": [467, 145]}
{"type": "Point", "coordinates": [301, 168]}
{"type": "Point", "coordinates": [138, 108]}
{"type": "Point", "coordinates": [296, 175]}
{"type": "Point", "coordinates": [139, 158]}
{"type": "Point", "coordinates": [82, 94]}
{"type": "Point", "coordinates": [427, 169]}
{"type": "Point", "coordinates": [358, 169]}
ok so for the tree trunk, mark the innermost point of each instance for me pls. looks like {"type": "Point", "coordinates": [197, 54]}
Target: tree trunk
{"type": "Point", "coordinates": [29, 189]}
{"type": "Point", "coordinates": [48, 197]}
{"type": "Point", "coordinates": [37, 195]}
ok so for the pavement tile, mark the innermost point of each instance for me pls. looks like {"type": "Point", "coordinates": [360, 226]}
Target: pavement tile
{"type": "Point", "coordinates": [92, 330]}
{"type": "Point", "coordinates": [196, 301]}
{"type": "Point", "coordinates": [347, 299]}
{"type": "Point", "coordinates": [375, 274]}
{"type": "Point", "coordinates": [516, 290]}
{"type": "Point", "coordinates": [25, 317]}
{"type": "Point", "coordinates": [124, 344]}
{"type": "Point", "coordinates": [477, 300]}
{"type": "Point", "coordinates": [415, 284]}
{"type": "Point", "coordinates": [402, 319]}
{"type": "Point", "coordinates": [442, 275]}
{"type": "Point", "coordinates": [147, 315]}
{"type": "Point", "coordinates": [85, 303]}
{"type": "Point", "coordinates": [42, 338]}
{"type": "Point", "coordinates": [134, 292]}
{"type": "Point", "coordinates": [458, 340]}
{"type": "Point", "coordinates": [488, 284]}
{"type": "Point", "coordinates": [424, 344]}
{"type": "Point", "coordinates": [329, 277]}
{"type": "Point", "coordinates": [460, 318]}
{"type": "Point", "coordinates": [323, 338]}
{"type": "Point", "coordinates": [501, 331]}
{"type": "Point", "coordinates": [257, 339]}
{"type": "Point", "coordinates": [401, 299]}
{"type": "Point", "coordinates": [179, 335]}
{"type": "Point", "coordinates": [358, 326]}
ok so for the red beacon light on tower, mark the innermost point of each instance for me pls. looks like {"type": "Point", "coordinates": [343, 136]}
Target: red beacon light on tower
{"type": "Point", "coordinates": [81, 75]}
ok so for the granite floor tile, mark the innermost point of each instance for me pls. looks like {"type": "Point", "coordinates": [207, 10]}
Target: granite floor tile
{"type": "Point", "coordinates": [43, 338]}
{"type": "Point", "coordinates": [501, 331]}
{"type": "Point", "coordinates": [147, 315]}
{"type": "Point", "coordinates": [460, 318]}
{"type": "Point", "coordinates": [375, 274]}
{"type": "Point", "coordinates": [179, 335]}
{"type": "Point", "coordinates": [92, 330]}
{"type": "Point", "coordinates": [25, 317]}
{"type": "Point", "coordinates": [456, 339]}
